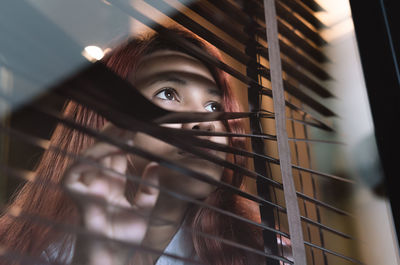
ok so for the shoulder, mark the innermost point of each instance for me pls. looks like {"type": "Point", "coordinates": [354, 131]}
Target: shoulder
{"type": "Point", "coordinates": [181, 245]}
{"type": "Point", "coordinates": [61, 251]}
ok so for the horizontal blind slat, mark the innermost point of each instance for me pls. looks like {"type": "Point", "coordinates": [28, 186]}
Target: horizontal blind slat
{"type": "Point", "coordinates": [31, 177]}
{"type": "Point", "coordinates": [304, 12]}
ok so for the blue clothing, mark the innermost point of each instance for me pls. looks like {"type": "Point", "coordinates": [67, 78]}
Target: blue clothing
{"type": "Point", "coordinates": [180, 245]}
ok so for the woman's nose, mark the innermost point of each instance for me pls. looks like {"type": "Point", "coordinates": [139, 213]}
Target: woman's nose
{"type": "Point", "coordinates": [203, 126]}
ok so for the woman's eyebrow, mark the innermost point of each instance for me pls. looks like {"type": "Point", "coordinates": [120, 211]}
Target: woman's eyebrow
{"type": "Point", "coordinates": [178, 79]}
{"type": "Point", "coordinates": [215, 91]}
{"type": "Point", "coordinates": [167, 78]}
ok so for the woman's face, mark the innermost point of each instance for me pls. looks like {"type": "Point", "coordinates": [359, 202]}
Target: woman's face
{"type": "Point", "coordinates": [179, 82]}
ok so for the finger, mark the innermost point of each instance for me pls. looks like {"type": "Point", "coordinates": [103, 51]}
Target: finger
{"type": "Point", "coordinates": [119, 163]}
{"type": "Point", "coordinates": [151, 176]}
{"type": "Point", "coordinates": [98, 193]}
{"type": "Point", "coordinates": [109, 173]}
{"type": "Point", "coordinates": [115, 173]}
{"type": "Point", "coordinates": [99, 184]}
{"type": "Point", "coordinates": [76, 189]}
{"type": "Point", "coordinates": [101, 149]}
{"type": "Point", "coordinates": [95, 217]}
{"type": "Point", "coordinates": [75, 171]}
{"type": "Point", "coordinates": [110, 129]}
{"type": "Point", "coordinates": [147, 196]}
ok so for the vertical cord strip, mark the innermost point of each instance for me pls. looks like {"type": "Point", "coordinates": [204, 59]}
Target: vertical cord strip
{"type": "Point", "coordinates": [255, 100]}
{"type": "Point", "coordinates": [293, 212]}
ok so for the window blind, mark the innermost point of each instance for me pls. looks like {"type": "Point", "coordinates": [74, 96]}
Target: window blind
{"type": "Point", "coordinates": [271, 50]}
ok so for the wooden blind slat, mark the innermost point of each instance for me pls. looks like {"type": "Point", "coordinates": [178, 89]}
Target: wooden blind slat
{"type": "Point", "coordinates": [304, 12]}
{"type": "Point", "coordinates": [293, 211]}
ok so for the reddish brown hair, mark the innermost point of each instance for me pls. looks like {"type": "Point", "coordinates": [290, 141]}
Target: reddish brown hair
{"type": "Point", "coordinates": [28, 237]}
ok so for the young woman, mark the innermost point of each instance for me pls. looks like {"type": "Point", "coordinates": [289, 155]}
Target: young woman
{"type": "Point", "coordinates": [172, 80]}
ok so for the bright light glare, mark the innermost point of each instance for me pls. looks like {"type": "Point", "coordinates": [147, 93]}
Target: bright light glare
{"type": "Point", "coordinates": [93, 53]}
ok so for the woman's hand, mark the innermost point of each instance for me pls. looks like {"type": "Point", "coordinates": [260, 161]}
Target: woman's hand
{"type": "Point", "coordinates": [100, 194]}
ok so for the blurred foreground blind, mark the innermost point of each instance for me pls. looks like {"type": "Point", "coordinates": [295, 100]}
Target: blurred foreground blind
{"type": "Point", "coordinates": [273, 53]}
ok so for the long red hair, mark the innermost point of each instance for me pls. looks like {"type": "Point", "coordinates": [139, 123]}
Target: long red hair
{"type": "Point", "coordinates": [31, 238]}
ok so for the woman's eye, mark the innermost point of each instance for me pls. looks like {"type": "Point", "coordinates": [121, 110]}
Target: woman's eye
{"type": "Point", "coordinates": [167, 94]}
{"type": "Point", "coordinates": [213, 106]}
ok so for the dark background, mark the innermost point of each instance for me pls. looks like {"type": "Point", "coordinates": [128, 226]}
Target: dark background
{"type": "Point", "coordinates": [377, 27]}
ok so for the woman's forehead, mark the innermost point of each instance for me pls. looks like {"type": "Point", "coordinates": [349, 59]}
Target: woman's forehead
{"type": "Point", "coordinates": [164, 61]}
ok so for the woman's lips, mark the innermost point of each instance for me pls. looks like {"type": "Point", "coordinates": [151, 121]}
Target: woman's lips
{"type": "Point", "coordinates": [188, 154]}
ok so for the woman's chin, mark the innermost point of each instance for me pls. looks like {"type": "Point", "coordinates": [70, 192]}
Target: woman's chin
{"type": "Point", "coordinates": [191, 185]}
